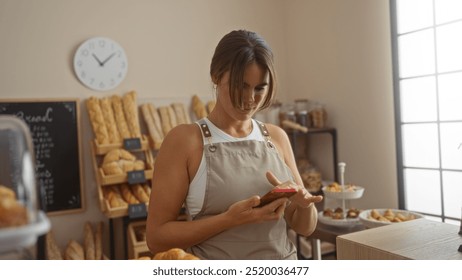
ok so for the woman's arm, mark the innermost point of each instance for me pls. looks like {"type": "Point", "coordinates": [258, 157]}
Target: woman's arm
{"type": "Point", "coordinates": [301, 214]}
{"type": "Point", "coordinates": [170, 187]}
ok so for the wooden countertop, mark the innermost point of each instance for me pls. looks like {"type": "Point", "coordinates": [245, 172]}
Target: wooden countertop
{"type": "Point", "coordinates": [420, 239]}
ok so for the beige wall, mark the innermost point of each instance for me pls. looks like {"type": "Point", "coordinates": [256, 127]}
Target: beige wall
{"type": "Point", "coordinates": [339, 53]}
{"type": "Point", "coordinates": [334, 51]}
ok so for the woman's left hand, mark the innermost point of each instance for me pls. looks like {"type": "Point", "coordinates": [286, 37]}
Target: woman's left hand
{"type": "Point", "coordinates": [302, 198]}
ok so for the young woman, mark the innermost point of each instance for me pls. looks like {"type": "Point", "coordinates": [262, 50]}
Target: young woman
{"type": "Point", "coordinates": [220, 166]}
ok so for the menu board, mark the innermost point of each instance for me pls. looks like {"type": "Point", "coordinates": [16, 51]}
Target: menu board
{"type": "Point", "coordinates": [54, 128]}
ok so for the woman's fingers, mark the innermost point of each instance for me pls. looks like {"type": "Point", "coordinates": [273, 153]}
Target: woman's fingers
{"type": "Point", "coordinates": [272, 179]}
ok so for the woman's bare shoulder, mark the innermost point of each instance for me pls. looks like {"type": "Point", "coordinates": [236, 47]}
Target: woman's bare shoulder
{"type": "Point", "coordinates": [184, 136]}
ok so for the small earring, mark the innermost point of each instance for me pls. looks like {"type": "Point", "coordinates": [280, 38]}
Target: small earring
{"type": "Point", "coordinates": [214, 86]}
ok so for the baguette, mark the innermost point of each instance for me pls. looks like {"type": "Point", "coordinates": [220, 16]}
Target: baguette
{"type": "Point", "coordinates": [165, 120]}
{"type": "Point", "coordinates": [52, 249]}
{"type": "Point", "coordinates": [179, 113]}
{"type": "Point", "coordinates": [120, 117]}
{"type": "Point", "coordinates": [172, 116]}
{"type": "Point", "coordinates": [108, 115]}
{"type": "Point", "coordinates": [152, 129]}
{"type": "Point", "coordinates": [74, 251]}
{"type": "Point", "coordinates": [89, 242]}
{"type": "Point", "coordinates": [99, 241]}
{"type": "Point", "coordinates": [156, 117]}
{"type": "Point", "coordinates": [97, 120]}
{"type": "Point", "coordinates": [131, 114]}
{"type": "Point", "coordinates": [198, 107]}
{"type": "Point", "coordinates": [210, 105]}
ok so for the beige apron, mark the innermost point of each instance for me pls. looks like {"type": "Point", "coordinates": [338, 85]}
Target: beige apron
{"type": "Point", "coordinates": [236, 171]}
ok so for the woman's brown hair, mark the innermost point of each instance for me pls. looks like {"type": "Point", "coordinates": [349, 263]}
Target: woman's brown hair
{"type": "Point", "coordinates": [233, 53]}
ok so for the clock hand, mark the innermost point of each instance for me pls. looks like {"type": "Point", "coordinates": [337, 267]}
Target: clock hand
{"type": "Point", "coordinates": [107, 59]}
{"type": "Point", "coordinates": [99, 62]}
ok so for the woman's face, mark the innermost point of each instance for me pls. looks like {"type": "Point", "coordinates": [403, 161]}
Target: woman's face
{"type": "Point", "coordinates": [256, 84]}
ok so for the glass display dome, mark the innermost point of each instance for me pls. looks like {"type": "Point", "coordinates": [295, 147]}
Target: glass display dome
{"type": "Point", "coordinates": [21, 219]}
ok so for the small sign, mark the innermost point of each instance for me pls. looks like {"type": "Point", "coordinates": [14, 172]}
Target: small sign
{"type": "Point", "coordinates": [137, 211]}
{"type": "Point", "coordinates": [132, 144]}
{"type": "Point", "coordinates": [136, 177]}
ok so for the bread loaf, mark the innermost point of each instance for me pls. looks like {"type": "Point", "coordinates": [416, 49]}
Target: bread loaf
{"type": "Point", "coordinates": [140, 193]}
{"type": "Point", "coordinates": [127, 194]}
{"type": "Point", "coordinates": [99, 241]}
{"type": "Point", "coordinates": [89, 242]}
{"type": "Point", "coordinates": [120, 117]}
{"type": "Point", "coordinates": [147, 189]}
{"type": "Point", "coordinates": [198, 107]}
{"type": "Point", "coordinates": [155, 135]}
{"type": "Point", "coordinates": [165, 119]}
{"type": "Point", "coordinates": [97, 120]}
{"type": "Point", "coordinates": [108, 115]}
{"type": "Point", "coordinates": [131, 114]}
{"type": "Point", "coordinates": [174, 254]}
{"type": "Point", "coordinates": [210, 105]}
{"type": "Point", "coordinates": [156, 117]}
{"type": "Point", "coordinates": [52, 249]}
{"type": "Point", "coordinates": [74, 251]}
{"type": "Point", "coordinates": [12, 213]}
{"type": "Point", "coordinates": [114, 196]}
{"type": "Point", "coordinates": [172, 116]}
{"type": "Point", "coordinates": [118, 154]}
{"type": "Point", "coordinates": [179, 113]}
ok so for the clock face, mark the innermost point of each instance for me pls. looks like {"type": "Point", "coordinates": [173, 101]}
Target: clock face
{"type": "Point", "coordinates": [100, 63]}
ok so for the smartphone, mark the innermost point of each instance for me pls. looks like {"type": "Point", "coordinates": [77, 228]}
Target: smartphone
{"type": "Point", "coordinates": [275, 194]}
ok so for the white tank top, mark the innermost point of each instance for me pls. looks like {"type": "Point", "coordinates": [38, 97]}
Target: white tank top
{"type": "Point", "coordinates": [196, 193]}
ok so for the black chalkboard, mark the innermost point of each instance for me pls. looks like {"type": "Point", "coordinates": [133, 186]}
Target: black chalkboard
{"type": "Point", "coordinates": [54, 127]}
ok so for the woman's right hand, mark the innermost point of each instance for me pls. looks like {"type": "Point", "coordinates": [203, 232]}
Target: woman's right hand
{"type": "Point", "coordinates": [245, 211]}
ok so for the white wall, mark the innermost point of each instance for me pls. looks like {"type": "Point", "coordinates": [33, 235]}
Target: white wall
{"type": "Point", "coordinates": [334, 51]}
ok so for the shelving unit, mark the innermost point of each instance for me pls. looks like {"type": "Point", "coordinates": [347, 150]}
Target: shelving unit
{"type": "Point", "coordinates": [132, 212]}
{"type": "Point", "coordinates": [294, 135]}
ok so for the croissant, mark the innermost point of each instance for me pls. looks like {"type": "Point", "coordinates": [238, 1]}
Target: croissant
{"type": "Point", "coordinates": [175, 254]}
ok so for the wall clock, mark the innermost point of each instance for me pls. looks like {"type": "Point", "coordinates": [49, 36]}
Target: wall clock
{"type": "Point", "coordinates": [100, 63]}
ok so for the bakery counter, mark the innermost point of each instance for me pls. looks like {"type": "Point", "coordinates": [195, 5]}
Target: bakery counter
{"type": "Point", "coordinates": [420, 239]}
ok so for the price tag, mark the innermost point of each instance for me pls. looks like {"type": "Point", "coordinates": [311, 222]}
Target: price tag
{"type": "Point", "coordinates": [137, 211]}
{"type": "Point", "coordinates": [136, 177]}
{"type": "Point", "coordinates": [131, 144]}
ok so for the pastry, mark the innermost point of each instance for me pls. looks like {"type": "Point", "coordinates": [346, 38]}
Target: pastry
{"type": "Point", "coordinates": [118, 154]}
{"type": "Point", "coordinates": [127, 194]}
{"type": "Point", "coordinates": [12, 213]}
{"type": "Point", "coordinates": [174, 254]}
{"type": "Point", "coordinates": [140, 193]}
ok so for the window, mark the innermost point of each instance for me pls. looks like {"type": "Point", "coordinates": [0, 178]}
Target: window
{"type": "Point", "coordinates": [427, 59]}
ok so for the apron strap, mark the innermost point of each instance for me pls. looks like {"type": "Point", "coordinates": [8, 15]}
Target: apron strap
{"type": "Point", "coordinates": [265, 133]}
{"type": "Point", "coordinates": [206, 134]}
